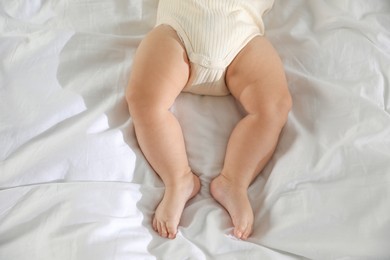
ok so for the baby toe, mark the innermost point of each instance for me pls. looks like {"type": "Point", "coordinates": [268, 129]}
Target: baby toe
{"type": "Point", "coordinates": [242, 230]}
{"type": "Point", "coordinates": [160, 228]}
{"type": "Point", "coordinates": [154, 225]}
{"type": "Point", "coordinates": [172, 230]}
{"type": "Point", "coordinates": [164, 232]}
{"type": "Point", "coordinates": [247, 233]}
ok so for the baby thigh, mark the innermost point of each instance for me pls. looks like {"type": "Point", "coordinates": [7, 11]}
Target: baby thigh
{"type": "Point", "coordinates": [256, 78]}
{"type": "Point", "coordinates": [159, 73]}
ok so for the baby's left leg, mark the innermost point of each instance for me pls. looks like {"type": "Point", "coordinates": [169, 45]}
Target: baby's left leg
{"type": "Point", "coordinates": [256, 79]}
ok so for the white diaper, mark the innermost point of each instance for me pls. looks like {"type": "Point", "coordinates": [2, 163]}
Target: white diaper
{"type": "Point", "coordinates": [213, 33]}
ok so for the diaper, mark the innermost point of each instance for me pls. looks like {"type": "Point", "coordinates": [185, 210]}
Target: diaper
{"type": "Point", "coordinates": [213, 32]}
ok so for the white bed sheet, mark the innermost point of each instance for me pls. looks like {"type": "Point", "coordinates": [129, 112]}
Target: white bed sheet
{"type": "Point", "coordinates": [74, 184]}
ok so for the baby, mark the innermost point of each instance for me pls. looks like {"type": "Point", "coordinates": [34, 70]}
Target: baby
{"type": "Point", "coordinates": [208, 47]}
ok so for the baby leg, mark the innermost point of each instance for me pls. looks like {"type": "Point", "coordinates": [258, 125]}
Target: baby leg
{"type": "Point", "coordinates": [159, 73]}
{"type": "Point", "coordinates": [256, 79]}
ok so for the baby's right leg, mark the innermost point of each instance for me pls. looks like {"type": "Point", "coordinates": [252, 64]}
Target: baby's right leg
{"type": "Point", "coordinates": [159, 73]}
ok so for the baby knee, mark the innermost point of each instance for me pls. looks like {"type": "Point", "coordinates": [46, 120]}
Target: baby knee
{"type": "Point", "coordinates": [137, 104]}
{"type": "Point", "coordinates": [143, 107]}
{"type": "Point", "coordinates": [274, 109]}
{"type": "Point", "coordinates": [131, 99]}
{"type": "Point", "coordinates": [277, 110]}
{"type": "Point", "coordinates": [284, 104]}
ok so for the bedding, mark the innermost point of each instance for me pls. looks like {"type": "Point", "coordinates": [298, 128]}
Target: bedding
{"type": "Point", "coordinates": [75, 185]}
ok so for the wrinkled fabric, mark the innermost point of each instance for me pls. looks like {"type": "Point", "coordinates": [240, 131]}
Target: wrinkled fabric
{"type": "Point", "coordinates": [75, 185]}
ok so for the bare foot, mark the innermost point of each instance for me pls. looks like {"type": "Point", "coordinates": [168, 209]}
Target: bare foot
{"type": "Point", "coordinates": [235, 200]}
{"type": "Point", "coordinates": [169, 211]}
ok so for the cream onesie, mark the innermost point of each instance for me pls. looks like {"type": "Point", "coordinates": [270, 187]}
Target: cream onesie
{"type": "Point", "coordinates": [213, 33]}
